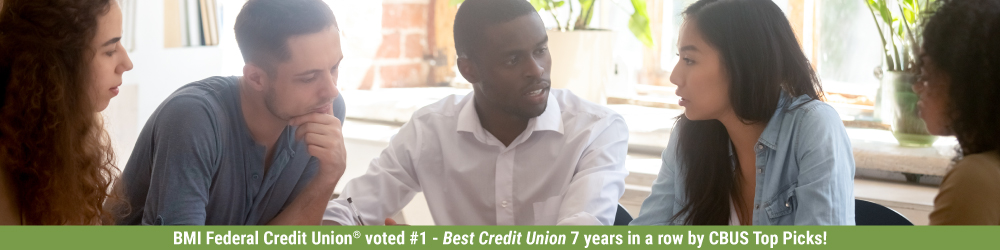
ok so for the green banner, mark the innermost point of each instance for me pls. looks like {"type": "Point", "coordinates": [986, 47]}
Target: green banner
{"type": "Point", "coordinates": [496, 237]}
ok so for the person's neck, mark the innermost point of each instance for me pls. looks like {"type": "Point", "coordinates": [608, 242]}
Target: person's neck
{"type": "Point", "coordinates": [265, 128]}
{"type": "Point", "coordinates": [501, 124]}
{"type": "Point", "coordinates": [744, 136]}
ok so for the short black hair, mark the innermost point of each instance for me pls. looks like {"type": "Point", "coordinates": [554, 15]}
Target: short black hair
{"type": "Point", "coordinates": [475, 15]}
{"type": "Point", "coordinates": [264, 26]}
{"type": "Point", "coordinates": [962, 39]}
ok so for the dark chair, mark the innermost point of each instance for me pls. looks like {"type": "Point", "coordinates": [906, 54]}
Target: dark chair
{"type": "Point", "coordinates": [870, 213]}
{"type": "Point", "coordinates": [622, 218]}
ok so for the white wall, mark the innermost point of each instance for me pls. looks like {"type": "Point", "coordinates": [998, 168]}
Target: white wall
{"type": "Point", "coordinates": [159, 71]}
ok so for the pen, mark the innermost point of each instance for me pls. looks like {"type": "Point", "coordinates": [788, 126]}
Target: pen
{"type": "Point", "coordinates": [355, 209]}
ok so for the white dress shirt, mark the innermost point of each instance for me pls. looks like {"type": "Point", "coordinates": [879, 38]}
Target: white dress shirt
{"type": "Point", "coordinates": [566, 168]}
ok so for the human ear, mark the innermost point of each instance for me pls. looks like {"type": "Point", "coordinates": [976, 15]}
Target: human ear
{"type": "Point", "coordinates": [468, 69]}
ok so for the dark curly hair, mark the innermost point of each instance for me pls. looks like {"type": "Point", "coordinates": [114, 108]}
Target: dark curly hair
{"type": "Point", "coordinates": [52, 142]}
{"type": "Point", "coordinates": [962, 39]}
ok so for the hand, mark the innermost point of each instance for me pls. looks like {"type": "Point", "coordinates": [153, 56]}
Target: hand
{"type": "Point", "coordinates": [322, 134]}
{"type": "Point", "coordinates": [391, 222]}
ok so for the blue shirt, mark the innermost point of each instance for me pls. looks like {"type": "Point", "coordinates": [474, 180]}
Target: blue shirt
{"type": "Point", "coordinates": [805, 171]}
{"type": "Point", "coordinates": [195, 163]}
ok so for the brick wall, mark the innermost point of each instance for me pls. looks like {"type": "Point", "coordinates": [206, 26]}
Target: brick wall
{"type": "Point", "coordinates": [400, 61]}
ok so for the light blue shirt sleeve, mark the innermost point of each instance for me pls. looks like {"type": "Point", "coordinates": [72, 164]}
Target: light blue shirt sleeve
{"type": "Point", "coordinates": [825, 189]}
{"type": "Point", "coordinates": [658, 208]}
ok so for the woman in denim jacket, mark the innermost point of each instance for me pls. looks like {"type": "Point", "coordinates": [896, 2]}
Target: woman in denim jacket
{"type": "Point", "coordinates": [755, 145]}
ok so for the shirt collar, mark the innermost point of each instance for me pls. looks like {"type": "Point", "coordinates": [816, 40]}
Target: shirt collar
{"type": "Point", "coordinates": [468, 118]}
{"type": "Point", "coordinates": [785, 102]}
{"type": "Point", "coordinates": [549, 120]}
{"type": "Point", "coordinates": [770, 135]}
{"type": "Point", "coordinates": [288, 139]}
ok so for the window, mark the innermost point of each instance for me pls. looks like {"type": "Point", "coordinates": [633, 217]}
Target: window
{"type": "Point", "coordinates": [849, 53]}
{"type": "Point", "coordinates": [837, 36]}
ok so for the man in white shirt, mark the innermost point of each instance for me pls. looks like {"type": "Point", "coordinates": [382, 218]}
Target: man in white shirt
{"type": "Point", "coordinates": [511, 153]}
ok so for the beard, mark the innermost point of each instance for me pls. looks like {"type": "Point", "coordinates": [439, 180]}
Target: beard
{"type": "Point", "coordinates": [270, 100]}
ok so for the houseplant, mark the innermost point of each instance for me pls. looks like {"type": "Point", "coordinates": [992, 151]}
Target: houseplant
{"type": "Point", "coordinates": [582, 56]}
{"type": "Point", "coordinates": [900, 25]}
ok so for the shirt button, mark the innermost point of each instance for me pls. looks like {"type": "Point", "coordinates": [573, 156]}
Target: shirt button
{"type": "Point", "coordinates": [256, 176]}
{"type": "Point", "coordinates": [760, 146]}
{"type": "Point", "coordinates": [503, 204]}
{"type": "Point", "coordinates": [760, 170]}
{"type": "Point", "coordinates": [786, 204]}
{"type": "Point", "coordinates": [756, 206]}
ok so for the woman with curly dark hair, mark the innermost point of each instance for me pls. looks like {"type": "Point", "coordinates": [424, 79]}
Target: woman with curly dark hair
{"type": "Point", "coordinates": [61, 62]}
{"type": "Point", "coordinates": [959, 89]}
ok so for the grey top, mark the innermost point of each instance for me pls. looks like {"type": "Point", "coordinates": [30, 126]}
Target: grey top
{"type": "Point", "coordinates": [195, 163]}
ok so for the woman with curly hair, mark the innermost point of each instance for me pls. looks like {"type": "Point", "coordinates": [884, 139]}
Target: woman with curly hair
{"type": "Point", "coordinates": [61, 62]}
{"type": "Point", "coordinates": [959, 86]}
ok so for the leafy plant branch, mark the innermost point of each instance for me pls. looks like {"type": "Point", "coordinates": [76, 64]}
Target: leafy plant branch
{"type": "Point", "coordinates": [899, 23]}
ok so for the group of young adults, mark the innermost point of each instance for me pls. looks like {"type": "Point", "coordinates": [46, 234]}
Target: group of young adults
{"type": "Point", "coordinates": [756, 144]}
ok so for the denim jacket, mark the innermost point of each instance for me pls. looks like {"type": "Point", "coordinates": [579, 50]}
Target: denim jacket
{"type": "Point", "coordinates": [805, 171]}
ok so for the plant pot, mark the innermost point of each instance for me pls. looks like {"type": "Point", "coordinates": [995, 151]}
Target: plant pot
{"type": "Point", "coordinates": [582, 62]}
{"type": "Point", "coordinates": [899, 109]}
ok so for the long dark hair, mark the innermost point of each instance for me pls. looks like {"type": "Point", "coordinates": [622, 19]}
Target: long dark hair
{"type": "Point", "coordinates": [4, 79]}
{"type": "Point", "coordinates": [962, 39]}
{"type": "Point", "coordinates": [52, 143]}
{"type": "Point", "coordinates": [762, 58]}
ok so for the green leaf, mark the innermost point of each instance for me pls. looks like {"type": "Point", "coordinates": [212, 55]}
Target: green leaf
{"type": "Point", "coordinates": [586, 14]}
{"type": "Point", "coordinates": [899, 27]}
{"type": "Point", "coordinates": [909, 10]}
{"type": "Point", "coordinates": [889, 62]}
{"type": "Point", "coordinates": [539, 4]}
{"type": "Point", "coordinates": [639, 23]}
{"type": "Point", "coordinates": [549, 6]}
{"type": "Point", "coordinates": [883, 10]}
{"type": "Point", "coordinates": [912, 6]}
{"type": "Point", "coordinates": [557, 4]}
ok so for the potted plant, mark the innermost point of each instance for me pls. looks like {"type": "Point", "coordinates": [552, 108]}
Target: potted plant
{"type": "Point", "coordinates": [581, 56]}
{"type": "Point", "coordinates": [900, 25]}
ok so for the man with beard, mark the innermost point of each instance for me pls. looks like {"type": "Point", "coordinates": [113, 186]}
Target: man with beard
{"type": "Point", "coordinates": [262, 148]}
